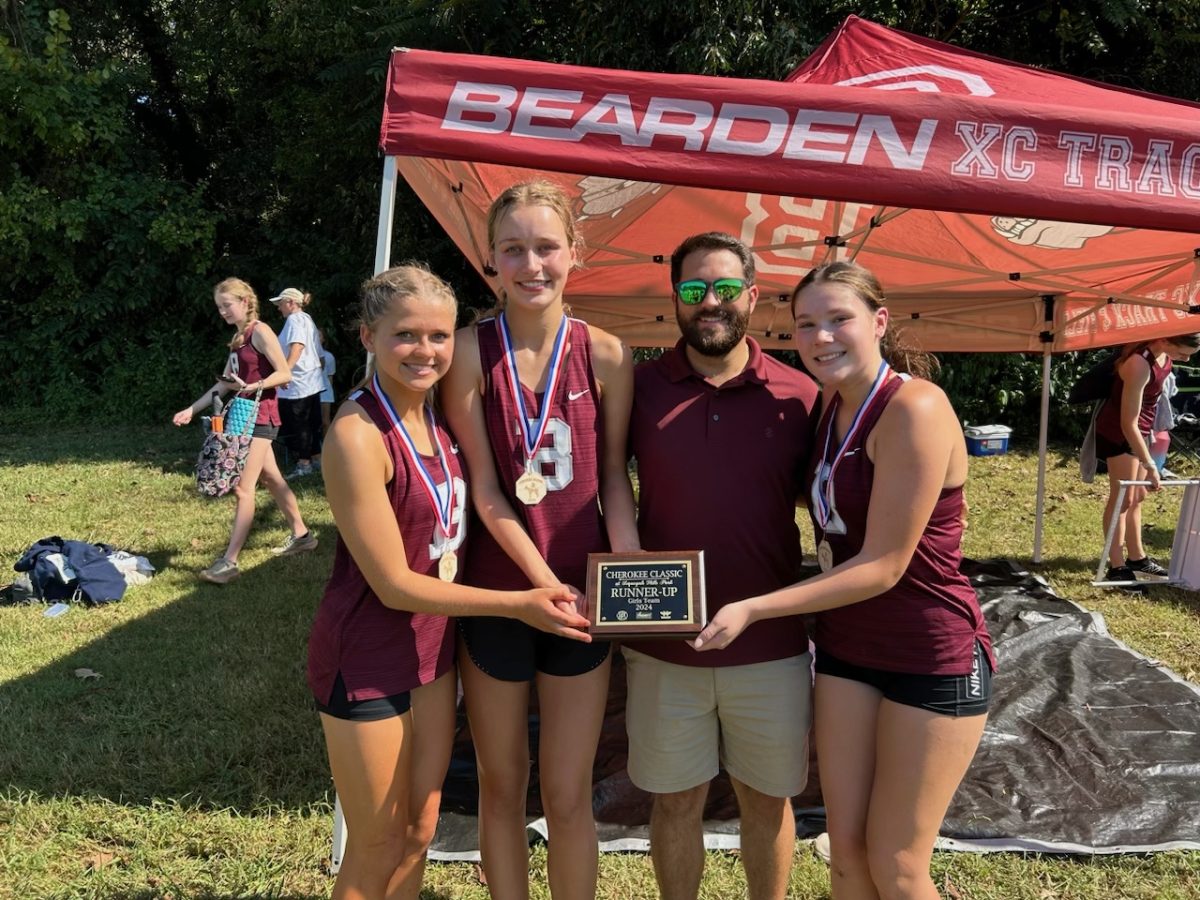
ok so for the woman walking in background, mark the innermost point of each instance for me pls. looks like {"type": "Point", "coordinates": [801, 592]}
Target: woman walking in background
{"type": "Point", "coordinates": [1123, 428]}
{"type": "Point", "coordinates": [300, 401]}
{"type": "Point", "coordinates": [256, 368]}
{"type": "Point", "coordinates": [381, 651]}
{"type": "Point", "coordinates": [904, 661]}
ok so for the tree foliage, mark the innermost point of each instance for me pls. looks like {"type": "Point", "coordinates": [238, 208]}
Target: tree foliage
{"type": "Point", "coordinates": [152, 148]}
{"type": "Point", "coordinates": [97, 242]}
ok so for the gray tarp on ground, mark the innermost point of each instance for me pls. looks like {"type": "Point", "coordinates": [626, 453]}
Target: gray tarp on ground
{"type": "Point", "coordinates": [1090, 747]}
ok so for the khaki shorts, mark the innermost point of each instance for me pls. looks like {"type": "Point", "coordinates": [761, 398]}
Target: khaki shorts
{"type": "Point", "coordinates": [686, 721]}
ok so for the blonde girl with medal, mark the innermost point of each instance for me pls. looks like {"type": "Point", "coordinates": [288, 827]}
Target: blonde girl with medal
{"type": "Point", "coordinates": [540, 404]}
{"type": "Point", "coordinates": [904, 660]}
{"type": "Point", "coordinates": [381, 650]}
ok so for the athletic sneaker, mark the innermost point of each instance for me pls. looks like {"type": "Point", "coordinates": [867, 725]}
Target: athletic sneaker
{"type": "Point", "coordinates": [294, 545]}
{"type": "Point", "coordinates": [1124, 573]}
{"type": "Point", "coordinates": [1146, 566]}
{"type": "Point", "coordinates": [300, 471]}
{"type": "Point", "coordinates": [222, 571]}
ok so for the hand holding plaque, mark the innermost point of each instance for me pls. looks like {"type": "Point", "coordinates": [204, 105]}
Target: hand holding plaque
{"type": "Point", "coordinates": [646, 594]}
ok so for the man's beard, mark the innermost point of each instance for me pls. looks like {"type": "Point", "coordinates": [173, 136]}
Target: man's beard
{"type": "Point", "coordinates": [715, 342]}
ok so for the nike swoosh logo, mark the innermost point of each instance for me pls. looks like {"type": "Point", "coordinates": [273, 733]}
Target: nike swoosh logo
{"type": "Point", "coordinates": [575, 395]}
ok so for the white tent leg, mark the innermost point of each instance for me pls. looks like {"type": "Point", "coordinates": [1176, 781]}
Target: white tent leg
{"type": "Point", "coordinates": [387, 213]}
{"type": "Point", "coordinates": [1043, 426]}
{"type": "Point", "coordinates": [387, 217]}
{"type": "Point", "coordinates": [339, 837]}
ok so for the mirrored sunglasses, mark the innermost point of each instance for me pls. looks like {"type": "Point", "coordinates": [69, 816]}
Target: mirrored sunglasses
{"type": "Point", "coordinates": [724, 289]}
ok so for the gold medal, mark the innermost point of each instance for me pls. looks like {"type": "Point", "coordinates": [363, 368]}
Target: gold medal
{"type": "Point", "coordinates": [448, 566]}
{"type": "Point", "coordinates": [824, 555]}
{"type": "Point", "coordinates": [531, 488]}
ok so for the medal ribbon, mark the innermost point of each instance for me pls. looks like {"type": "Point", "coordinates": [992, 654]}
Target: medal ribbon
{"type": "Point", "coordinates": [534, 440]}
{"type": "Point", "coordinates": [442, 511]}
{"type": "Point", "coordinates": [825, 494]}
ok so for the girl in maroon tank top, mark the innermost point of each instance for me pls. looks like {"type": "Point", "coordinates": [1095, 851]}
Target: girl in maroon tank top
{"type": "Point", "coordinates": [380, 658]}
{"type": "Point", "coordinates": [903, 658]}
{"type": "Point", "coordinates": [256, 366]}
{"type": "Point", "coordinates": [1123, 425]}
{"type": "Point", "coordinates": [540, 404]}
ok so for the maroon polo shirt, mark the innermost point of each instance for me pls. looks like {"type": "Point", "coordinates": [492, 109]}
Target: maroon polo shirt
{"type": "Point", "coordinates": [720, 470]}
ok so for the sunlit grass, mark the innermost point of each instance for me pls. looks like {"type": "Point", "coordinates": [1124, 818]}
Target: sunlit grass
{"type": "Point", "coordinates": [194, 766]}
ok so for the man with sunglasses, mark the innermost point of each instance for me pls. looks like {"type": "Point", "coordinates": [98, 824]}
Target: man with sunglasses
{"type": "Point", "coordinates": [721, 432]}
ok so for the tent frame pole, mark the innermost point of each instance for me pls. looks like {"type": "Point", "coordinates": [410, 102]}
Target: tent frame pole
{"type": "Point", "coordinates": [387, 215]}
{"type": "Point", "coordinates": [1048, 312]}
{"type": "Point", "coordinates": [1043, 427]}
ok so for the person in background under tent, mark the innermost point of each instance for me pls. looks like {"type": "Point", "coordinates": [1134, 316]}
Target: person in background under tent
{"type": "Point", "coordinates": [1123, 427]}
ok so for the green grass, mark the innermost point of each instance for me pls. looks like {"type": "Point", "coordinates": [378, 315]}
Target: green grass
{"type": "Point", "coordinates": [194, 767]}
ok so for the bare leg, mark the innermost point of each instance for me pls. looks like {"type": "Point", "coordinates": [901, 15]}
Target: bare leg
{"type": "Point", "coordinates": [243, 512]}
{"type": "Point", "coordinates": [432, 741]}
{"type": "Point", "coordinates": [499, 715]}
{"type": "Point", "coordinates": [370, 763]}
{"type": "Point", "coordinates": [677, 842]}
{"type": "Point", "coordinates": [572, 712]}
{"type": "Point", "coordinates": [845, 722]}
{"type": "Point", "coordinates": [768, 830]}
{"type": "Point", "coordinates": [1133, 518]}
{"type": "Point", "coordinates": [920, 758]}
{"type": "Point", "coordinates": [1121, 468]}
{"type": "Point", "coordinates": [274, 482]}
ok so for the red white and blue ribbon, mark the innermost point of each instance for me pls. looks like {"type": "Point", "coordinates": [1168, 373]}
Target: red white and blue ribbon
{"type": "Point", "coordinates": [532, 440]}
{"type": "Point", "coordinates": [442, 509]}
{"type": "Point", "coordinates": [824, 508]}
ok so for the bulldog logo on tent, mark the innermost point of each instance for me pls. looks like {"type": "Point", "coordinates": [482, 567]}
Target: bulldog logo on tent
{"type": "Point", "coordinates": [1046, 233]}
{"type": "Point", "coordinates": [600, 196]}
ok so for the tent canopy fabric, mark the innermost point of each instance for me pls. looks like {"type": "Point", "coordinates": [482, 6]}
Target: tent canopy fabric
{"type": "Point", "coordinates": [1004, 208]}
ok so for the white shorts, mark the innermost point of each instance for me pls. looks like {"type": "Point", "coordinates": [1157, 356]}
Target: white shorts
{"type": "Point", "coordinates": [684, 722]}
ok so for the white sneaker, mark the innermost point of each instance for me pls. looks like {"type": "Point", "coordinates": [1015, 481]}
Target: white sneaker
{"type": "Point", "coordinates": [294, 545]}
{"type": "Point", "coordinates": [821, 846]}
{"type": "Point", "coordinates": [300, 471]}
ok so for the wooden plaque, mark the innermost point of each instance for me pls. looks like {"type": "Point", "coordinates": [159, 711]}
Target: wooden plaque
{"type": "Point", "coordinates": [646, 594]}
